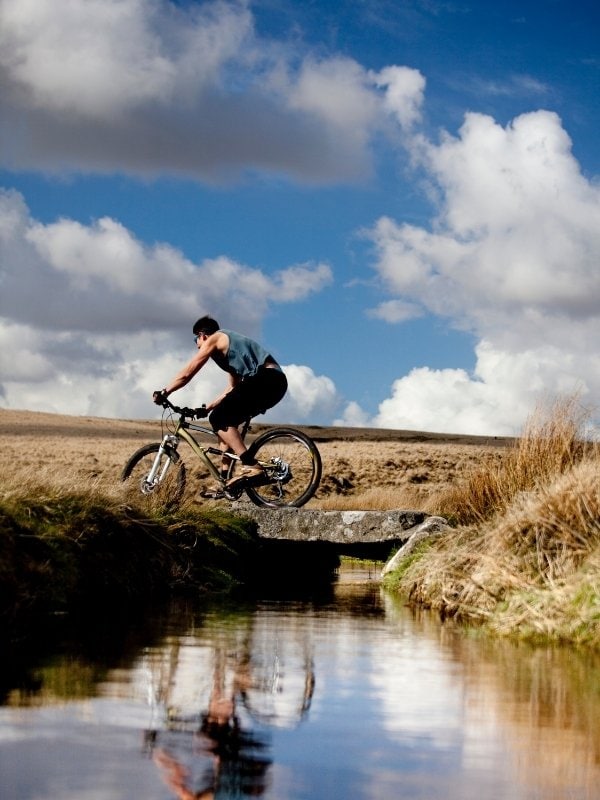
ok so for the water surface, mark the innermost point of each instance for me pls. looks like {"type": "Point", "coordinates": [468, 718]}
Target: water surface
{"type": "Point", "coordinates": [347, 695]}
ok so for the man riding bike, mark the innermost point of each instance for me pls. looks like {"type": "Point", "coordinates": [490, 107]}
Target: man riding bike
{"type": "Point", "coordinates": [256, 383]}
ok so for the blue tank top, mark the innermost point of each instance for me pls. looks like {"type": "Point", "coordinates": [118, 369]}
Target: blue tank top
{"type": "Point", "coordinates": [244, 356]}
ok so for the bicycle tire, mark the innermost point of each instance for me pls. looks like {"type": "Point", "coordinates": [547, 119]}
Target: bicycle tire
{"type": "Point", "coordinates": [294, 464]}
{"type": "Point", "coordinates": [168, 487]}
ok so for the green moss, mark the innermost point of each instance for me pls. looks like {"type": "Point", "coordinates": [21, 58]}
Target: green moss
{"type": "Point", "coordinates": [588, 598]}
{"type": "Point", "coordinates": [393, 580]}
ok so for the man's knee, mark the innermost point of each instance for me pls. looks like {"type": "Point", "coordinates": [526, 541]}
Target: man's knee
{"type": "Point", "coordinates": [216, 421]}
{"type": "Point", "coordinates": [222, 418]}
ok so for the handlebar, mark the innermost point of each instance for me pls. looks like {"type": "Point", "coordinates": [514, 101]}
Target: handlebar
{"type": "Point", "coordinates": [193, 413]}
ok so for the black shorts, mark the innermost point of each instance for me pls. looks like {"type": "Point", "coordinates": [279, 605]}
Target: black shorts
{"type": "Point", "coordinates": [252, 396]}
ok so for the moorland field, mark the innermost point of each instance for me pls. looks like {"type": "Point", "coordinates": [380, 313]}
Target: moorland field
{"type": "Point", "coordinates": [363, 468]}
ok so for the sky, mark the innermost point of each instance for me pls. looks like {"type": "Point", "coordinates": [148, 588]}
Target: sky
{"type": "Point", "coordinates": [399, 198]}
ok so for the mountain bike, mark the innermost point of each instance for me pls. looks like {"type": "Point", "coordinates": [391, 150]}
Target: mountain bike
{"type": "Point", "coordinates": [290, 460]}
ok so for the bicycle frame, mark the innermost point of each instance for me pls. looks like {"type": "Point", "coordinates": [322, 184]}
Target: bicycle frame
{"type": "Point", "coordinates": [182, 432]}
{"type": "Point", "coordinates": [290, 462]}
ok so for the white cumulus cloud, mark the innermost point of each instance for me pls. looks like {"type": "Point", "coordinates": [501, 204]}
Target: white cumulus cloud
{"type": "Point", "coordinates": [154, 87]}
{"type": "Point", "coordinates": [512, 257]}
{"type": "Point", "coordinates": [404, 93]}
{"type": "Point", "coordinates": [310, 398]}
{"type": "Point", "coordinates": [93, 319]}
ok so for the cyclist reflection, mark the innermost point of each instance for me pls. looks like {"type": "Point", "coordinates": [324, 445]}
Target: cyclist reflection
{"type": "Point", "coordinates": [215, 757]}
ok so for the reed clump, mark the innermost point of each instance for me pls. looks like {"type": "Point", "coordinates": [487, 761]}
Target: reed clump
{"type": "Point", "coordinates": [551, 444]}
{"type": "Point", "coordinates": [525, 558]}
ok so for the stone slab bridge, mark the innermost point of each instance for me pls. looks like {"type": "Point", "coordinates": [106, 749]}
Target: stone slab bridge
{"type": "Point", "coordinates": [365, 534]}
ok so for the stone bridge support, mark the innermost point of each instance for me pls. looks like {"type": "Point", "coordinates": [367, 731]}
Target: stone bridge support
{"type": "Point", "coordinates": [375, 534]}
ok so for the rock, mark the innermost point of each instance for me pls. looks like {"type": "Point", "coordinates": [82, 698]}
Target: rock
{"type": "Point", "coordinates": [338, 527]}
{"type": "Point", "coordinates": [430, 527]}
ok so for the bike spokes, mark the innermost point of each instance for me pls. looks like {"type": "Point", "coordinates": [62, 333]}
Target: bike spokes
{"type": "Point", "coordinates": [155, 474]}
{"type": "Point", "coordinates": [292, 468]}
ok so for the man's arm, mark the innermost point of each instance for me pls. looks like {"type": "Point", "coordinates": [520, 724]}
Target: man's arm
{"type": "Point", "coordinates": [233, 380]}
{"type": "Point", "coordinates": [194, 365]}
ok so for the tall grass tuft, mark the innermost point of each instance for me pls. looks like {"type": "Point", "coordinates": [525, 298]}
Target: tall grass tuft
{"type": "Point", "coordinates": [528, 561]}
{"type": "Point", "coordinates": [552, 443]}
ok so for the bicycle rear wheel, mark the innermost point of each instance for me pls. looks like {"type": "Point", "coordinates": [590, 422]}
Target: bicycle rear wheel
{"type": "Point", "coordinates": [292, 464]}
{"type": "Point", "coordinates": [167, 485]}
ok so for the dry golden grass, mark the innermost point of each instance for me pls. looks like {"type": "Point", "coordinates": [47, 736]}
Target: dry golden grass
{"type": "Point", "coordinates": [382, 475]}
{"type": "Point", "coordinates": [550, 445]}
{"type": "Point", "coordinates": [391, 470]}
{"type": "Point", "coordinates": [529, 561]}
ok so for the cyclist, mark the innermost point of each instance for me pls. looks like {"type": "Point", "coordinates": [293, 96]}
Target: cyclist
{"type": "Point", "coordinates": [256, 383]}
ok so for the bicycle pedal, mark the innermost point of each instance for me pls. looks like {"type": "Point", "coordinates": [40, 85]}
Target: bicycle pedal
{"type": "Point", "coordinates": [213, 494]}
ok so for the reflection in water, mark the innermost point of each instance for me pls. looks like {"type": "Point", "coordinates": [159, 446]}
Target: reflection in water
{"type": "Point", "coordinates": [236, 760]}
{"type": "Point", "coordinates": [353, 695]}
{"type": "Point", "coordinates": [547, 702]}
{"type": "Point", "coordinates": [214, 695]}
{"type": "Point", "coordinates": [544, 701]}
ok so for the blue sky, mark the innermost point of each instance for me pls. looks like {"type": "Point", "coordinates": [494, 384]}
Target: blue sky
{"type": "Point", "coordinates": [400, 199]}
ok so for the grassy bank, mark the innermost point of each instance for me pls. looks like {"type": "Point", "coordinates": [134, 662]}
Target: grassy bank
{"type": "Point", "coordinates": [524, 557]}
{"type": "Point", "coordinates": [62, 549]}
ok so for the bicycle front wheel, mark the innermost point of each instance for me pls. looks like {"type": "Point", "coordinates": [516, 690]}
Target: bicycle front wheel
{"type": "Point", "coordinates": [158, 477]}
{"type": "Point", "coordinates": [293, 467]}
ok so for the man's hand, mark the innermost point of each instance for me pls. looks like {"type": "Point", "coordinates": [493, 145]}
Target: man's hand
{"type": "Point", "coordinates": [201, 413]}
{"type": "Point", "coordinates": [159, 397]}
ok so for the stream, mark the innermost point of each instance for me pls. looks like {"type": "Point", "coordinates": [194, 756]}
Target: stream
{"type": "Point", "coordinates": [344, 693]}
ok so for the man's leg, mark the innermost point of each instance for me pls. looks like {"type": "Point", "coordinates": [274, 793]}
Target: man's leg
{"type": "Point", "coordinates": [229, 441]}
{"type": "Point", "coordinates": [230, 437]}
{"type": "Point", "coordinates": [238, 404]}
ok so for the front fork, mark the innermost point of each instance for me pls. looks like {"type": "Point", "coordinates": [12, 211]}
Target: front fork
{"type": "Point", "coordinates": [171, 442]}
